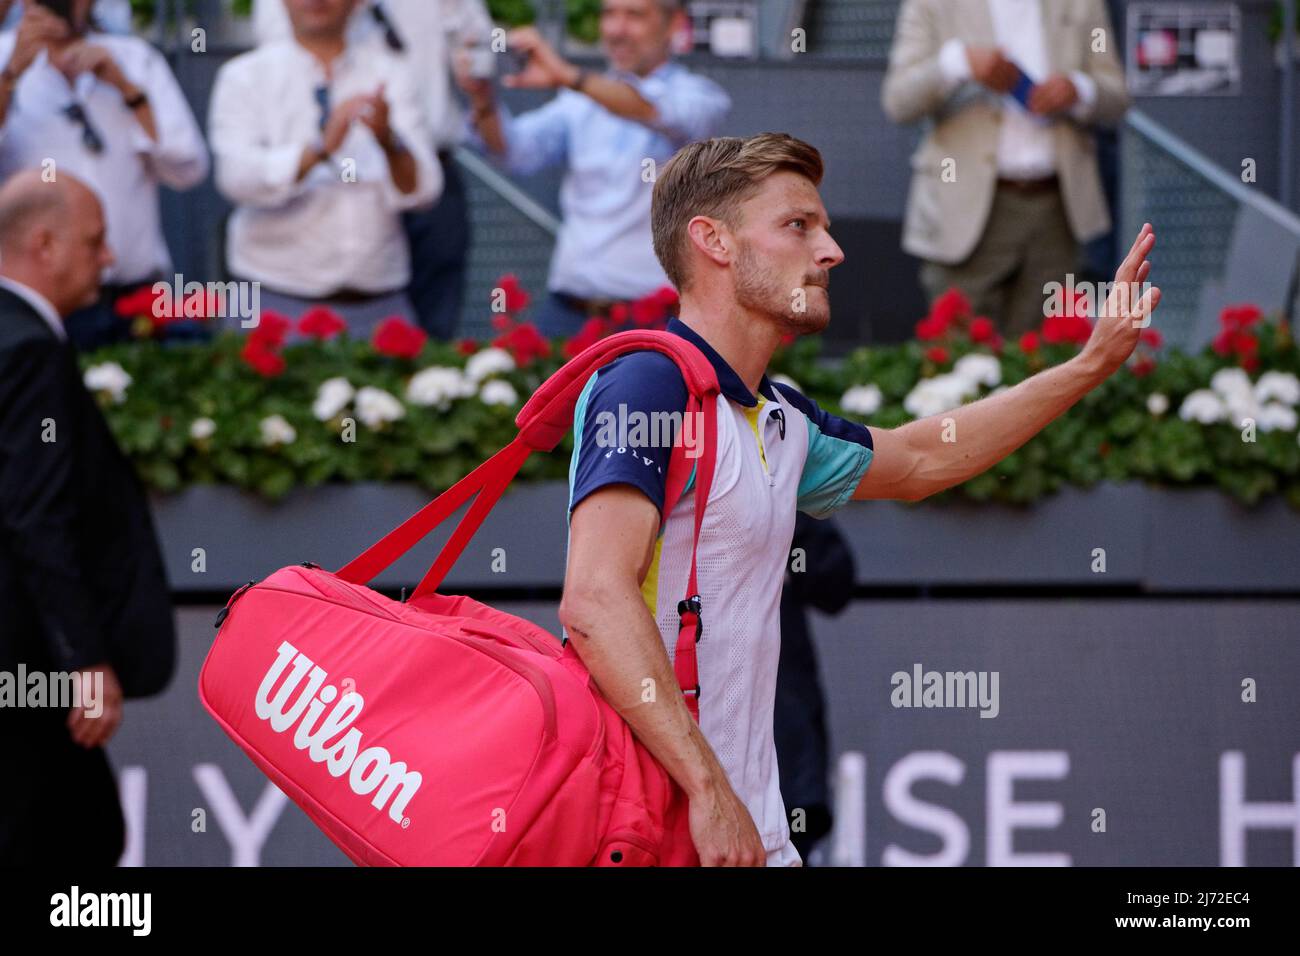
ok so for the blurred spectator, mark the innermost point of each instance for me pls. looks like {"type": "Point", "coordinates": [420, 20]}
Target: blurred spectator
{"type": "Point", "coordinates": [1003, 194]}
{"type": "Point", "coordinates": [107, 109]}
{"type": "Point", "coordinates": [423, 33]}
{"type": "Point", "coordinates": [106, 16]}
{"type": "Point", "coordinates": [322, 144]}
{"type": "Point", "coordinates": [605, 127]}
{"type": "Point", "coordinates": [81, 577]}
{"type": "Point", "coordinates": [824, 580]}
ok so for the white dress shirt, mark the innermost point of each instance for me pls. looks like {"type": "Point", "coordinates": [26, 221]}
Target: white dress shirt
{"type": "Point", "coordinates": [431, 29]}
{"type": "Point", "coordinates": [1025, 146]}
{"type": "Point", "coordinates": [340, 227]}
{"type": "Point", "coordinates": [41, 305]}
{"type": "Point", "coordinates": [127, 173]}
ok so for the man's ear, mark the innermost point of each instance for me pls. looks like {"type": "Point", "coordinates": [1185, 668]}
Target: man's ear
{"type": "Point", "coordinates": [711, 238]}
{"type": "Point", "coordinates": [40, 243]}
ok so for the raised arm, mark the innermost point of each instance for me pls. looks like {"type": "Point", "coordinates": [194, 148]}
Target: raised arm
{"type": "Point", "coordinates": [914, 461]}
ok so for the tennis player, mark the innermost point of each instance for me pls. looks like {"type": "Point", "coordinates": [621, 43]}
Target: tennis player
{"type": "Point", "coordinates": [741, 231]}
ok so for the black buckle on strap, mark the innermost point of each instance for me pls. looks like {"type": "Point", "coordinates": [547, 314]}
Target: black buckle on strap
{"type": "Point", "coordinates": [692, 605]}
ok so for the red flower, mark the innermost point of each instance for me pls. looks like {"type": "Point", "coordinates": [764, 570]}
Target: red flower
{"type": "Point", "coordinates": [648, 311]}
{"type": "Point", "coordinates": [1143, 366]}
{"type": "Point", "coordinates": [1223, 341]}
{"type": "Point", "coordinates": [937, 354]}
{"type": "Point", "coordinates": [1244, 343]}
{"type": "Point", "coordinates": [981, 329]}
{"type": "Point", "coordinates": [996, 344]}
{"type": "Point", "coordinates": [929, 329]}
{"type": "Point", "coordinates": [139, 302]}
{"type": "Point", "coordinates": [1250, 363]}
{"type": "Point", "coordinates": [321, 323]}
{"type": "Point", "coordinates": [397, 338]}
{"type": "Point", "coordinates": [501, 322]}
{"type": "Point", "coordinates": [1151, 336]}
{"type": "Point", "coordinates": [263, 359]}
{"type": "Point", "coordinates": [618, 313]}
{"type": "Point", "coordinates": [1029, 342]}
{"type": "Point", "coordinates": [1236, 317]}
{"type": "Point", "coordinates": [524, 343]}
{"type": "Point", "coordinates": [516, 299]}
{"type": "Point", "coordinates": [667, 296]}
{"type": "Point", "coordinates": [592, 331]}
{"type": "Point", "coordinates": [949, 307]}
{"type": "Point", "coordinates": [1066, 328]}
{"type": "Point", "coordinates": [466, 347]}
{"type": "Point", "coordinates": [271, 329]}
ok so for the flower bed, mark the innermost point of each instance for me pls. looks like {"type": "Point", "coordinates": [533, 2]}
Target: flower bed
{"type": "Point", "coordinates": [267, 415]}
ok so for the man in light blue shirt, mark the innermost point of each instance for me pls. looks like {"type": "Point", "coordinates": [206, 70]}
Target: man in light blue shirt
{"type": "Point", "coordinates": [611, 129]}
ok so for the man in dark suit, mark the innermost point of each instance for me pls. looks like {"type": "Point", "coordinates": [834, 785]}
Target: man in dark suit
{"type": "Point", "coordinates": [82, 590]}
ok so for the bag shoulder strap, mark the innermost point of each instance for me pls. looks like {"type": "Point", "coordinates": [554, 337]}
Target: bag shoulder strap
{"type": "Point", "coordinates": [543, 422]}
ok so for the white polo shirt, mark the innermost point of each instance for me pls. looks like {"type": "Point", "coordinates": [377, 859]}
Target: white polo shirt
{"type": "Point", "coordinates": [777, 453]}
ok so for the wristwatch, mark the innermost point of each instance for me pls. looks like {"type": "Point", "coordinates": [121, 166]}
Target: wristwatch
{"type": "Point", "coordinates": [579, 79]}
{"type": "Point", "coordinates": [137, 101]}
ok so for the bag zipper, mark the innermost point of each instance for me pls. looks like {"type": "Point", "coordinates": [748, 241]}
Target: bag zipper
{"type": "Point", "coordinates": [222, 614]}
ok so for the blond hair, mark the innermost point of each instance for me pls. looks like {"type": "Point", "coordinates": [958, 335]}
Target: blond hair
{"type": "Point", "coordinates": [712, 178]}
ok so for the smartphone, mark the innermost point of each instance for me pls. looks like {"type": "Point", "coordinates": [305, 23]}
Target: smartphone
{"type": "Point", "coordinates": [62, 7]}
{"type": "Point", "coordinates": [1024, 86]}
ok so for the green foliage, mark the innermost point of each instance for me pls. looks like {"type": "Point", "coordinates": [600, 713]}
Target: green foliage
{"type": "Point", "coordinates": [1110, 435]}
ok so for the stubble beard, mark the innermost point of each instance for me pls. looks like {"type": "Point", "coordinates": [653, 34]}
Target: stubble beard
{"type": "Point", "coordinates": [759, 290]}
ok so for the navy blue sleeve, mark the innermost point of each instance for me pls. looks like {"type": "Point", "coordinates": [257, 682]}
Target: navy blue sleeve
{"type": "Point", "coordinates": [624, 425]}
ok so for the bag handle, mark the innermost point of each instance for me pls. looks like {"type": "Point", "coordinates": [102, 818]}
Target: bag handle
{"type": "Point", "coordinates": [542, 422]}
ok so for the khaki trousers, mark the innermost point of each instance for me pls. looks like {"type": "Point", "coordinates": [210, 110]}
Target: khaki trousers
{"type": "Point", "coordinates": [1027, 244]}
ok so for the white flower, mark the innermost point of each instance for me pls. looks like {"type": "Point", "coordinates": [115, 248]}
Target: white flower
{"type": "Point", "coordinates": [277, 431]}
{"type": "Point", "coordinates": [497, 392]}
{"type": "Point", "coordinates": [108, 377]}
{"type": "Point", "coordinates": [1276, 417]}
{"type": "Point", "coordinates": [785, 380]}
{"type": "Point", "coordinates": [1232, 381]}
{"type": "Point", "coordinates": [1278, 386]}
{"type": "Point", "coordinates": [979, 369]}
{"type": "Point", "coordinates": [862, 400]}
{"type": "Point", "coordinates": [491, 361]}
{"type": "Point", "coordinates": [931, 396]}
{"type": "Point", "coordinates": [1203, 406]}
{"type": "Point", "coordinates": [202, 428]}
{"type": "Point", "coordinates": [438, 385]}
{"type": "Point", "coordinates": [1157, 403]}
{"type": "Point", "coordinates": [375, 407]}
{"type": "Point", "coordinates": [331, 398]}
{"type": "Point", "coordinates": [1240, 406]}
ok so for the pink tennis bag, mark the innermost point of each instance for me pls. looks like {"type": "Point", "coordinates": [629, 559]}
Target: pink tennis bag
{"type": "Point", "coordinates": [440, 731]}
